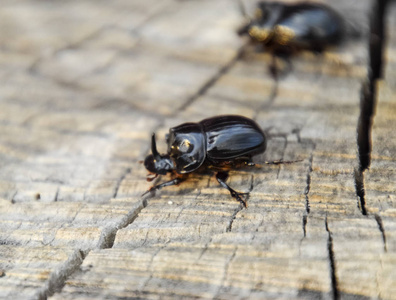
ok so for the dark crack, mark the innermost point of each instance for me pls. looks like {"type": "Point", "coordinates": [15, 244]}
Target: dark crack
{"type": "Point", "coordinates": [225, 273]}
{"type": "Point", "coordinates": [304, 224]}
{"type": "Point", "coordinates": [368, 96]}
{"type": "Point", "coordinates": [307, 190]}
{"type": "Point", "coordinates": [297, 132]}
{"type": "Point", "coordinates": [108, 235]}
{"type": "Point", "coordinates": [283, 155]}
{"type": "Point", "coordinates": [208, 84]}
{"type": "Point", "coordinates": [308, 181]}
{"type": "Point", "coordinates": [119, 181]}
{"type": "Point", "coordinates": [377, 38]}
{"type": "Point", "coordinates": [382, 229]}
{"type": "Point", "coordinates": [236, 211]}
{"type": "Point", "coordinates": [332, 264]}
{"type": "Point", "coordinates": [359, 186]}
{"type": "Point", "coordinates": [204, 250]}
{"type": "Point", "coordinates": [13, 197]}
{"type": "Point", "coordinates": [151, 265]}
{"type": "Point", "coordinates": [57, 278]}
{"type": "Point", "coordinates": [239, 208]}
{"type": "Point", "coordinates": [56, 195]}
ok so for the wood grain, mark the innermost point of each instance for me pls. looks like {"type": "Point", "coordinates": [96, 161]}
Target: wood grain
{"type": "Point", "coordinates": [84, 84]}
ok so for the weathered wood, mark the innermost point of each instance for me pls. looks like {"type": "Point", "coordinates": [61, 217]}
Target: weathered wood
{"type": "Point", "coordinates": [84, 86]}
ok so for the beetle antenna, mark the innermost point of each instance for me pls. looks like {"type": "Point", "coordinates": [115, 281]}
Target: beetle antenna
{"type": "Point", "coordinates": [154, 148]}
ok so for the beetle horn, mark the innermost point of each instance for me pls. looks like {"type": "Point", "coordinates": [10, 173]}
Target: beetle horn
{"type": "Point", "coordinates": [154, 147]}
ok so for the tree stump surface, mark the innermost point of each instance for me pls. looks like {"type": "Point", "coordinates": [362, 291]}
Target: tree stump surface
{"type": "Point", "coordinates": [85, 83]}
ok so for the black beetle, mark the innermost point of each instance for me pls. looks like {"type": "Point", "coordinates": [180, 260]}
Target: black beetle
{"type": "Point", "coordinates": [218, 143]}
{"type": "Point", "coordinates": [287, 27]}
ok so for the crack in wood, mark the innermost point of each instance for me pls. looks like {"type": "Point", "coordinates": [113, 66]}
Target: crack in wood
{"type": "Point", "coordinates": [212, 81]}
{"type": "Point", "coordinates": [58, 277]}
{"type": "Point", "coordinates": [382, 229]}
{"type": "Point", "coordinates": [240, 207]}
{"type": "Point", "coordinates": [304, 223]}
{"type": "Point", "coordinates": [56, 194]}
{"type": "Point", "coordinates": [368, 96]}
{"type": "Point", "coordinates": [359, 186]}
{"type": "Point", "coordinates": [237, 210]}
{"type": "Point", "coordinates": [307, 190]}
{"type": "Point", "coordinates": [108, 235]}
{"type": "Point", "coordinates": [283, 154]}
{"type": "Point", "coordinates": [308, 182]}
{"type": "Point", "coordinates": [225, 273]}
{"type": "Point", "coordinates": [332, 264]}
{"type": "Point", "coordinates": [119, 181]}
{"type": "Point", "coordinates": [13, 197]}
{"type": "Point", "coordinates": [206, 247]}
{"type": "Point", "coordinates": [150, 266]}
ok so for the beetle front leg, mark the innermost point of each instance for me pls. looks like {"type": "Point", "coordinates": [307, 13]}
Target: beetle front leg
{"type": "Point", "coordinates": [175, 181]}
{"type": "Point", "coordinates": [221, 178]}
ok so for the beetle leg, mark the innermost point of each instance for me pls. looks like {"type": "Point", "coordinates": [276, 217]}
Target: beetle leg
{"type": "Point", "coordinates": [175, 181]}
{"type": "Point", "coordinates": [221, 178]}
{"type": "Point", "coordinates": [280, 65]}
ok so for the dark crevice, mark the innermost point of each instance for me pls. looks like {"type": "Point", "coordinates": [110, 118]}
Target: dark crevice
{"type": "Point", "coordinates": [306, 191]}
{"type": "Point", "coordinates": [13, 197]}
{"type": "Point", "coordinates": [212, 80]}
{"type": "Point", "coordinates": [332, 265]}
{"type": "Point", "coordinates": [308, 186]}
{"type": "Point", "coordinates": [367, 104]}
{"type": "Point", "coordinates": [151, 265]}
{"type": "Point", "coordinates": [304, 224]}
{"type": "Point", "coordinates": [108, 234]}
{"type": "Point", "coordinates": [204, 250]}
{"type": "Point", "coordinates": [382, 229]}
{"type": "Point", "coordinates": [57, 278]}
{"type": "Point", "coordinates": [283, 155]}
{"type": "Point", "coordinates": [297, 132]}
{"type": "Point", "coordinates": [359, 186]}
{"type": "Point", "coordinates": [56, 195]}
{"type": "Point", "coordinates": [119, 181]}
{"type": "Point", "coordinates": [239, 208]}
{"type": "Point", "coordinates": [226, 268]}
{"type": "Point", "coordinates": [377, 38]}
{"type": "Point", "coordinates": [368, 96]}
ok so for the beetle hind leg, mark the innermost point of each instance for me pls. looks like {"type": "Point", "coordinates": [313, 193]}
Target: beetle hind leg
{"type": "Point", "coordinates": [221, 178]}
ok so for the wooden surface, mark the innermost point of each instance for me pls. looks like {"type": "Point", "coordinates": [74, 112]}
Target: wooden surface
{"type": "Point", "coordinates": [83, 86]}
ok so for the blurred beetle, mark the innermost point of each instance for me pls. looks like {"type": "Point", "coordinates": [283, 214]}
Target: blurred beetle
{"type": "Point", "coordinates": [287, 27]}
{"type": "Point", "coordinates": [284, 29]}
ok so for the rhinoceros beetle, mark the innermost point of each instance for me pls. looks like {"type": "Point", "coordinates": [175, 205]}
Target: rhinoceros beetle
{"type": "Point", "coordinates": [218, 144]}
{"type": "Point", "coordinates": [286, 27]}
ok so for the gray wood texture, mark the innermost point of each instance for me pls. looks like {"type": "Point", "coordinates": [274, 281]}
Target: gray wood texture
{"type": "Point", "coordinates": [83, 86]}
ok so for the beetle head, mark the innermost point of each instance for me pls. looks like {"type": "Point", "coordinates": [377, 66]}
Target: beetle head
{"type": "Point", "coordinates": [267, 14]}
{"type": "Point", "coordinates": [156, 163]}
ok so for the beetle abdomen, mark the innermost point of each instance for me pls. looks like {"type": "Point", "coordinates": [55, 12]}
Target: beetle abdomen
{"type": "Point", "coordinates": [231, 136]}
